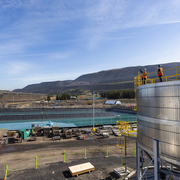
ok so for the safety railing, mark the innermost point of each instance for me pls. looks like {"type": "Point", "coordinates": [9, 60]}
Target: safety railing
{"type": "Point", "coordinates": [171, 74]}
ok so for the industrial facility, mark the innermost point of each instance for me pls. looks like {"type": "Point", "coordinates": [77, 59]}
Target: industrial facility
{"type": "Point", "coordinates": [156, 131]}
{"type": "Point", "coordinates": [158, 134]}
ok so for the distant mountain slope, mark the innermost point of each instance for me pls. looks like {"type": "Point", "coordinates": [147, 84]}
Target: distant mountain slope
{"type": "Point", "coordinates": [100, 81]}
{"type": "Point", "coordinates": [118, 75]}
{"type": "Point", "coordinates": [44, 87]}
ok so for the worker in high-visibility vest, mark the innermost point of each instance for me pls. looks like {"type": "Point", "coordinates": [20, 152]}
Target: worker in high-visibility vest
{"type": "Point", "coordinates": [144, 76]}
{"type": "Point", "coordinates": [160, 72]}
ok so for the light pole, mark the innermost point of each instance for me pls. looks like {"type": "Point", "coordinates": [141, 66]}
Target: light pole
{"type": "Point", "coordinates": [93, 112]}
{"type": "Point", "coordinates": [13, 100]}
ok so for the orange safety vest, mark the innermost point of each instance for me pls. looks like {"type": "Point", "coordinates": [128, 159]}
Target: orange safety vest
{"type": "Point", "coordinates": [144, 75]}
{"type": "Point", "coordinates": [160, 73]}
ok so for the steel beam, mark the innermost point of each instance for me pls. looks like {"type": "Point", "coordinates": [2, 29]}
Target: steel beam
{"type": "Point", "coordinates": [138, 170]}
{"type": "Point", "coordinates": [156, 162]}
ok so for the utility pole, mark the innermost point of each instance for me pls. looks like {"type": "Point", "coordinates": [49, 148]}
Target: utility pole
{"type": "Point", "coordinates": [93, 112]}
{"type": "Point", "coordinates": [13, 100]}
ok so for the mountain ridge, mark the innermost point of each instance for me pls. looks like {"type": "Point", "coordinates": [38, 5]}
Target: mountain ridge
{"type": "Point", "coordinates": [101, 81]}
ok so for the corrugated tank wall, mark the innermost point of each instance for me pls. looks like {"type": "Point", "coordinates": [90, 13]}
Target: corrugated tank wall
{"type": "Point", "coordinates": [158, 116]}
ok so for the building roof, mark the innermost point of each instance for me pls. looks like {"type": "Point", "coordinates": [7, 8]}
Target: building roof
{"type": "Point", "coordinates": [112, 102]}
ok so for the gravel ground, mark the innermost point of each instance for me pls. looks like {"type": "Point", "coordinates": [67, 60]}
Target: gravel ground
{"type": "Point", "coordinates": [19, 156]}
{"type": "Point", "coordinates": [52, 171]}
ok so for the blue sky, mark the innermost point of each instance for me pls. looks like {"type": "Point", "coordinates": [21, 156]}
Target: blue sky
{"type": "Point", "coordinates": [51, 40]}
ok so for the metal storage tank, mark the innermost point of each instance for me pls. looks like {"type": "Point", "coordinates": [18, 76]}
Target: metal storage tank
{"type": "Point", "coordinates": [158, 116]}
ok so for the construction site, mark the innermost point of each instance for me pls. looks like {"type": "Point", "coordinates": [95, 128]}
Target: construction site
{"type": "Point", "coordinates": [106, 144]}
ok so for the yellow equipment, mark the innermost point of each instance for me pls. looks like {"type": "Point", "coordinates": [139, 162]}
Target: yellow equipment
{"type": "Point", "coordinates": [125, 130]}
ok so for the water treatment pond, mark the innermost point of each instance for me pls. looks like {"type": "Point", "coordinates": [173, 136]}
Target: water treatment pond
{"type": "Point", "coordinates": [63, 122]}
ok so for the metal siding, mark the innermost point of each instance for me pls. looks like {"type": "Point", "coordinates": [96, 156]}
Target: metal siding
{"type": "Point", "coordinates": [160, 101]}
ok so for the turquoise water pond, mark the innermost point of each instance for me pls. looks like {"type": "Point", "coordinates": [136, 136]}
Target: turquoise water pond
{"type": "Point", "coordinates": [66, 122]}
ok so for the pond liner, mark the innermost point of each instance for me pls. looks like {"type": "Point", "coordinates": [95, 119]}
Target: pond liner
{"type": "Point", "coordinates": [54, 116]}
{"type": "Point", "coordinates": [48, 110]}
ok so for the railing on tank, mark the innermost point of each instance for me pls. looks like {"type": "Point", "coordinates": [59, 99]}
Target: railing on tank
{"type": "Point", "coordinates": [171, 74]}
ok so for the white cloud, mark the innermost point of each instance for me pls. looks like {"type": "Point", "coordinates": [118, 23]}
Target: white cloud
{"type": "Point", "coordinates": [58, 55]}
{"type": "Point", "coordinates": [107, 17]}
{"type": "Point", "coordinates": [40, 31]}
{"type": "Point", "coordinates": [16, 67]}
{"type": "Point", "coordinates": [13, 3]}
{"type": "Point", "coordinates": [10, 48]}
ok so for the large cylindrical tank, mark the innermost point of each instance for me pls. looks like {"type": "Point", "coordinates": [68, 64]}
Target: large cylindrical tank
{"type": "Point", "coordinates": [158, 116]}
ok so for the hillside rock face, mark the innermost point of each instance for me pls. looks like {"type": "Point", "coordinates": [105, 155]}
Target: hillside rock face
{"type": "Point", "coordinates": [9, 97]}
{"type": "Point", "coordinates": [44, 87]}
{"type": "Point", "coordinates": [101, 81]}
